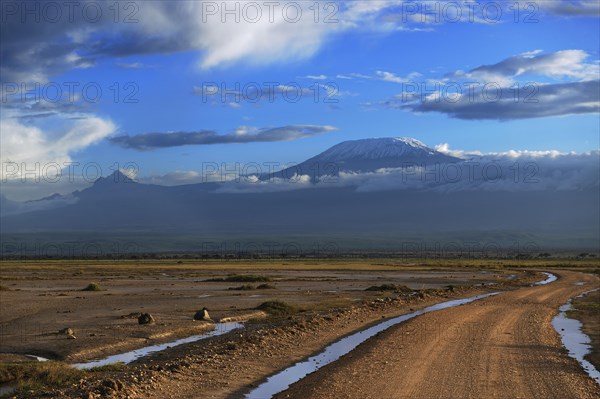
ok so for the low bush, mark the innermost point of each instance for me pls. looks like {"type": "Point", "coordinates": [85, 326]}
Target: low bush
{"type": "Point", "coordinates": [266, 287]}
{"type": "Point", "coordinates": [277, 308]}
{"type": "Point", "coordinates": [389, 287]}
{"type": "Point", "coordinates": [93, 287]}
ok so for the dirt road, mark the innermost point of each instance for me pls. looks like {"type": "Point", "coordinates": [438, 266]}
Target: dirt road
{"type": "Point", "coordinates": [500, 347]}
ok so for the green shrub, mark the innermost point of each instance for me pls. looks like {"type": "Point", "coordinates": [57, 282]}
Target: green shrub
{"type": "Point", "coordinates": [277, 308]}
{"type": "Point", "coordinates": [93, 287]}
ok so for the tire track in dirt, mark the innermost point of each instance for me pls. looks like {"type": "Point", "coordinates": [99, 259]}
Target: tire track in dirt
{"type": "Point", "coordinates": [499, 347]}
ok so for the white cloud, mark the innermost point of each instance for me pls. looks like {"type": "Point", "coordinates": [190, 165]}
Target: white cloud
{"type": "Point", "coordinates": [252, 184]}
{"type": "Point", "coordinates": [527, 101]}
{"type": "Point", "coordinates": [506, 171]}
{"type": "Point", "coordinates": [390, 77]}
{"type": "Point", "coordinates": [527, 85]}
{"type": "Point", "coordinates": [560, 64]}
{"type": "Point", "coordinates": [514, 170]}
{"type": "Point", "coordinates": [571, 7]}
{"type": "Point", "coordinates": [315, 77]}
{"type": "Point", "coordinates": [25, 146]}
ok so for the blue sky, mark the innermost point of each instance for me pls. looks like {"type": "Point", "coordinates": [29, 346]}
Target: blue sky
{"type": "Point", "coordinates": [374, 52]}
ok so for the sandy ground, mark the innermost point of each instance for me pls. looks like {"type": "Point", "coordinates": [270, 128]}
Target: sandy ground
{"type": "Point", "coordinates": [500, 347]}
{"type": "Point", "coordinates": [43, 298]}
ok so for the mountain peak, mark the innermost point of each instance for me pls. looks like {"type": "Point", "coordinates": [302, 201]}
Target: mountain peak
{"type": "Point", "coordinates": [369, 155]}
{"type": "Point", "coordinates": [378, 148]}
{"type": "Point", "coordinates": [116, 178]}
{"type": "Point", "coordinates": [410, 141]}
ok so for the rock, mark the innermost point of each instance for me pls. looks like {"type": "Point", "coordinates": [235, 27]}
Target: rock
{"type": "Point", "coordinates": [67, 331]}
{"type": "Point", "coordinates": [202, 315]}
{"type": "Point", "coordinates": [114, 385]}
{"type": "Point", "coordinates": [71, 336]}
{"type": "Point", "coordinates": [146, 318]}
{"type": "Point", "coordinates": [108, 389]}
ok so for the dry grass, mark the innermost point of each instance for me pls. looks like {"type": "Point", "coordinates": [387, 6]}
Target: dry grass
{"type": "Point", "coordinates": [35, 376]}
{"type": "Point", "coordinates": [109, 368]}
{"type": "Point", "coordinates": [277, 308]}
{"type": "Point", "coordinates": [149, 265]}
{"type": "Point", "coordinates": [389, 287]}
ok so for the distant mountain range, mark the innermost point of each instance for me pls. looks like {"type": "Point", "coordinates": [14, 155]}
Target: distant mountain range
{"type": "Point", "coordinates": [195, 217]}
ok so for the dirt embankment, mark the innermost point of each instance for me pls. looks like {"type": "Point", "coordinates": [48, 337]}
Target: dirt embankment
{"type": "Point", "coordinates": [500, 347]}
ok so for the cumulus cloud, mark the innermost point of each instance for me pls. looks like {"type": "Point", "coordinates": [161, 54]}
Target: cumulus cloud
{"type": "Point", "coordinates": [532, 101]}
{"type": "Point", "coordinates": [560, 64]}
{"type": "Point", "coordinates": [24, 146]}
{"type": "Point", "coordinates": [253, 184]}
{"type": "Point", "coordinates": [508, 171]}
{"type": "Point", "coordinates": [513, 170]}
{"type": "Point", "coordinates": [528, 85]}
{"type": "Point", "coordinates": [390, 77]}
{"type": "Point", "coordinates": [243, 134]}
{"type": "Point", "coordinates": [574, 8]}
{"type": "Point", "coordinates": [221, 33]}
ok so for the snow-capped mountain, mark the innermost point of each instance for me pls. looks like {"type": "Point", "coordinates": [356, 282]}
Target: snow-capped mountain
{"type": "Point", "coordinates": [376, 148]}
{"type": "Point", "coordinates": [369, 155]}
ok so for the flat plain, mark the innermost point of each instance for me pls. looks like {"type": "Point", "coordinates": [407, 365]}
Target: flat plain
{"type": "Point", "coordinates": [325, 299]}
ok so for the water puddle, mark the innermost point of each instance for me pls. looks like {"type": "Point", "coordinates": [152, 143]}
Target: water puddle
{"type": "Point", "coordinates": [576, 342]}
{"type": "Point", "coordinates": [7, 390]}
{"type": "Point", "coordinates": [580, 283]}
{"type": "Point", "coordinates": [282, 380]}
{"type": "Point", "coordinates": [551, 278]}
{"type": "Point", "coordinates": [37, 358]}
{"type": "Point", "coordinates": [128, 357]}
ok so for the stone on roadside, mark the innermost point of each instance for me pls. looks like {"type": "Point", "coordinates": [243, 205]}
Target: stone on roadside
{"type": "Point", "coordinates": [202, 315]}
{"type": "Point", "coordinates": [146, 318]}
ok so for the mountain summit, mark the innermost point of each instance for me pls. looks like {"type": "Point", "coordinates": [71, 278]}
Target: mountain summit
{"type": "Point", "coordinates": [117, 177]}
{"type": "Point", "coordinates": [369, 155]}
